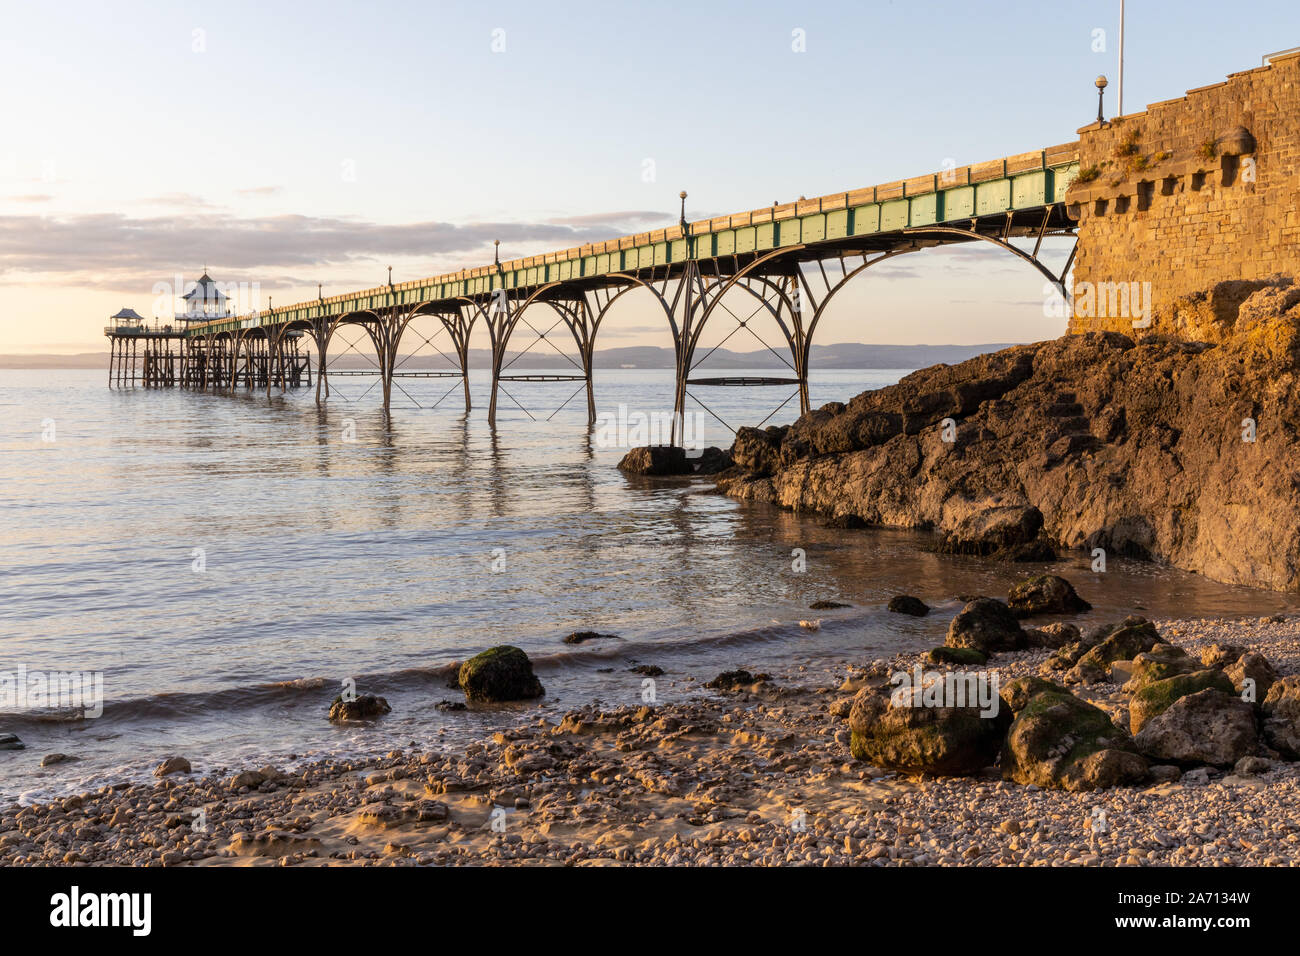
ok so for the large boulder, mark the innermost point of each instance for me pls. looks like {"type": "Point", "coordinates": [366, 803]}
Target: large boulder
{"type": "Point", "coordinates": [656, 460]}
{"type": "Point", "coordinates": [1282, 716]}
{"type": "Point", "coordinates": [998, 530]}
{"type": "Point", "coordinates": [1061, 742]}
{"type": "Point", "coordinates": [1158, 696]}
{"type": "Point", "coordinates": [1208, 726]}
{"type": "Point", "coordinates": [947, 741]}
{"type": "Point", "coordinates": [499, 674]}
{"type": "Point", "coordinates": [987, 625]}
{"type": "Point", "coordinates": [1131, 638]}
{"type": "Point", "coordinates": [1045, 594]}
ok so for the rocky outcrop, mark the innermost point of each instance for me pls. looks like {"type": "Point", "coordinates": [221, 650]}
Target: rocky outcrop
{"type": "Point", "coordinates": [712, 461]}
{"type": "Point", "coordinates": [499, 674]}
{"type": "Point", "coordinates": [1133, 447]}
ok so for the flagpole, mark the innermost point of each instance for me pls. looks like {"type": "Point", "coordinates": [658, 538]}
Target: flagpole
{"type": "Point", "coordinates": [1120, 111]}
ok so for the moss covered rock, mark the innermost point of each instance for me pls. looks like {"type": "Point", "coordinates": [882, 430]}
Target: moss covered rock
{"type": "Point", "coordinates": [498, 674]}
{"type": "Point", "coordinates": [1061, 742]}
{"type": "Point", "coordinates": [1017, 693]}
{"type": "Point", "coordinates": [962, 656]}
{"type": "Point", "coordinates": [1160, 663]}
{"type": "Point", "coordinates": [1045, 594]}
{"type": "Point", "coordinates": [948, 741]}
{"type": "Point", "coordinates": [986, 624]}
{"type": "Point", "coordinates": [1134, 636]}
{"type": "Point", "coordinates": [1157, 697]}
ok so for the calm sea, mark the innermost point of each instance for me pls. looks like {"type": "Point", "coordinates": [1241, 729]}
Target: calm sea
{"type": "Point", "coordinates": [225, 563]}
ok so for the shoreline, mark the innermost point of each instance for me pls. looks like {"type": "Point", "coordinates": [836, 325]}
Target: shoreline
{"type": "Point", "coordinates": [760, 775]}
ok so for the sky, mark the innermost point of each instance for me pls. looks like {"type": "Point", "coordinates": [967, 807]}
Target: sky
{"type": "Point", "coordinates": [284, 144]}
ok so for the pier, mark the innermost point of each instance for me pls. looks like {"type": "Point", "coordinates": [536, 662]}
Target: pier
{"type": "Point", "coordinates": [788, 261]}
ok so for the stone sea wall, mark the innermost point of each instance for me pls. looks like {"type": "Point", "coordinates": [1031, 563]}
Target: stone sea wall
{"type": "Point", "coordinates": [1193, 192]}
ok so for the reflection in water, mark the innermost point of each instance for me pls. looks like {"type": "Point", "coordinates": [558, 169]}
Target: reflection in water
{"type": "Point", "coordinates": [372, 558]}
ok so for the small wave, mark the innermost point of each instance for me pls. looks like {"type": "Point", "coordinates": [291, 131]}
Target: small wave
{"type": "Point", "coordinates": [321, 689]}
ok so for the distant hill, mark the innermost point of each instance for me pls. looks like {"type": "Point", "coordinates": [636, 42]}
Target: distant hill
{"type": "Point", "coordinates": [846, 355]}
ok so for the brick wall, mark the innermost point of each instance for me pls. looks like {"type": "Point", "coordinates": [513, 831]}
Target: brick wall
{"type": "Point", "coordinates": [1175, 200]}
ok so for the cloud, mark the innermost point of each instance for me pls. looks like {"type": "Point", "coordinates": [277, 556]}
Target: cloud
{"type": "Point", "coordinates": [177, 201]}
{"type": "Point", "coordinates": [117, 251]}
{"type": "Point", "coordinates": [260, 191]}
{"type": "Point", "coordinates": [32, 198]}
{"type": "Point", "coordinates": [630, 217]}
{"type": "Point", "coordinates": [613, 330]}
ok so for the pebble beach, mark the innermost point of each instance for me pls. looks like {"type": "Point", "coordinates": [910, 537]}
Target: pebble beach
{"type": "Point", "coordinates": [755, 774]}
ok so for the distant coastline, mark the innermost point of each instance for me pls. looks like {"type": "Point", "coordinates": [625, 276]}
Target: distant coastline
{"type": "Point", "coordinates": [851, 355]}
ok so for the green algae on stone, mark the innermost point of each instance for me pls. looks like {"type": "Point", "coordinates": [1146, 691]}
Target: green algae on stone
{"type": "Point", "coordinates": [956, 655]}
{"type": "Point", "coordinates": [1157, 697]}
{"type": "Point", "coordinates": [499, 674]}
{"type": "Point", "coordinates": [1059, 741]}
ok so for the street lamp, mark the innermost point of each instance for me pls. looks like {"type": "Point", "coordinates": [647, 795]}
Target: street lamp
{"type": "Point", "coordinates": [1101, 92]}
